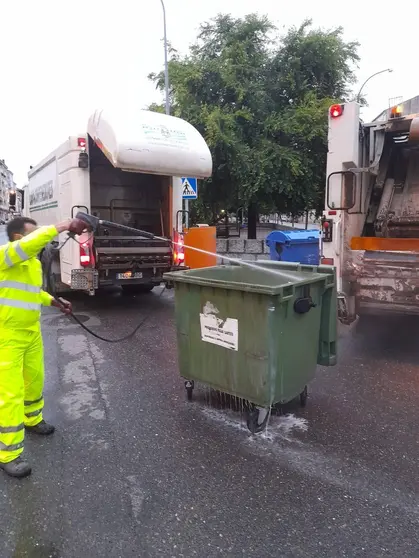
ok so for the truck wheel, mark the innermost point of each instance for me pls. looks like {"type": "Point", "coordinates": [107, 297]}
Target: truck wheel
{"type": "Point", "coordinates": [137, 289]}
{"type": "Point", "coordinates": [189, 386]}
{"type": "Point", "coordinates": [257, 419]}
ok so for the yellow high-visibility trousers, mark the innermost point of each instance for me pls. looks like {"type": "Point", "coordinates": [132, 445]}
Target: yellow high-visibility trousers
{"type": "Point", "coordinates": [21, 388]}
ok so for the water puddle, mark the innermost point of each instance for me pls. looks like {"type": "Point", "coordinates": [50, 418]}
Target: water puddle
{"type": "Point", "coordinates": [282, 427]}
{"type": "Point", "coordinates": [284, 440]}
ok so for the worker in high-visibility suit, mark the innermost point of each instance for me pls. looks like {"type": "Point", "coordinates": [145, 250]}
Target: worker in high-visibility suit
{"type": "Point", "coordinates": [21, 347]}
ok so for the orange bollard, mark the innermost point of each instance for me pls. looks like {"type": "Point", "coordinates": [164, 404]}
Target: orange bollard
{"type": "Point", "coordinates": [204, 238]}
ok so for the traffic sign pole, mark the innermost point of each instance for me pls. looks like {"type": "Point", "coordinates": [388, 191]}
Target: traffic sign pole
{"type": "Point", "coordinates": [189, 192]}
{"type": "Point", "coordinates": [186, 214]}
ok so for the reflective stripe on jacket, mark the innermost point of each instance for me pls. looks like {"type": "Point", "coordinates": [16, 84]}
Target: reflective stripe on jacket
{"type": "Point", "coordinates": [21, 294]}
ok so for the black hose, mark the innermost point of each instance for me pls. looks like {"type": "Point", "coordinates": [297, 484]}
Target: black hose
{"type": "Point", "coordinates": [51, 252]}
{"type": "Point", "coordinates": [120, 339]}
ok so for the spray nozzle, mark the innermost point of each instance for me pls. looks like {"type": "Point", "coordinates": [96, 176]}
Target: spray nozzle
{"type": "Point", "coordinates": [91, 221]}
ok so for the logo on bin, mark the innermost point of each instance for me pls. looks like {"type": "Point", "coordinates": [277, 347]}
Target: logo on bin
{"type": "Point", "coordinates": [224, 333]}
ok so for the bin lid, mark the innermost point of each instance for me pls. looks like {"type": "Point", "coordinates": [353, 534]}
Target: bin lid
{"type": "Point", "coordinates": [150, 142]}
{"type": "Point", "coordinates": [271, 278]}
{"type": "Point", "coordinates": [294, 236]}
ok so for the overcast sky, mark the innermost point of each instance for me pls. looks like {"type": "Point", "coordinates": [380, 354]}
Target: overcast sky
{"type": "Point", "coordinates": [60, 60]}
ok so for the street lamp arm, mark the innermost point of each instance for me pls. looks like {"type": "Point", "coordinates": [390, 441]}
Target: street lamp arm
{"type": "Point", "coordinates": [367, 80]}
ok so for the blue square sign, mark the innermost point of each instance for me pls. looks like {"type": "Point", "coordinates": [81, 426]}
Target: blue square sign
{"type": "Point", "coordinates": [189, 188]}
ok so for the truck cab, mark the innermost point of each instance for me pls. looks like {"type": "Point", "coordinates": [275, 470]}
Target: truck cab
{"type": "Point", "coordinates": [126, 171]}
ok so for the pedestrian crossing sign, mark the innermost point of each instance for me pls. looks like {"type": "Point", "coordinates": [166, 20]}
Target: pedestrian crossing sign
{"type": "Point", "coordinates": [189, 188]}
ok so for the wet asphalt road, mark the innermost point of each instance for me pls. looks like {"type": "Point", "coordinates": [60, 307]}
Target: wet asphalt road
{"type": "Point", "coordinates": [136, 470]}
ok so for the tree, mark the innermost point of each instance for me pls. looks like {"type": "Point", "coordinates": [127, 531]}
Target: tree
{"type": "Point", "coordinates": [261, 104]}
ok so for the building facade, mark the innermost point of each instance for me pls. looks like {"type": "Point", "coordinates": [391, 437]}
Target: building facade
{"type": "Point", "coordinates": [7, 185]}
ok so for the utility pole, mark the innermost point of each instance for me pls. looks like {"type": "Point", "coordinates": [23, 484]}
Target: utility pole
{"type": "Point", "coordinates": [166, 62]}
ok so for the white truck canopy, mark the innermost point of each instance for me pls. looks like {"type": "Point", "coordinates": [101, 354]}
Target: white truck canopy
{"type": "Point", "coordinates": [151, 143]}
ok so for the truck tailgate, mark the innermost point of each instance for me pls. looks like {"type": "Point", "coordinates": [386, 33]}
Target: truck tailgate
{"type": "Point", "coordinates": [388, 280]}
{"type": "Point", "coordinates": [120, 252]}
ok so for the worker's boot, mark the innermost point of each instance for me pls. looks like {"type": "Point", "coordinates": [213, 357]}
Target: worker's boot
{"type": "Point", "coordinates": [42, 428]}
{"type": "Point", "coordinates": [17, 468]}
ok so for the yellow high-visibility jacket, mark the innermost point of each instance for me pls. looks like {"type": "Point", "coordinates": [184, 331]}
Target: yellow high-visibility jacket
{"type": "Point", "coordinates": [21, 294]}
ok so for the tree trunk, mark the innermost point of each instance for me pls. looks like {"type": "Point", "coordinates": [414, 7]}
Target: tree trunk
{"type": "Point", "coordinates": [252, 219]}
{"type": "Point", "coordinates": [306, 219]}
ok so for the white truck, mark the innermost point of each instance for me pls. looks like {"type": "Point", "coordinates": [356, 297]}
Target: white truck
{"type": "Point", "coordinates": [370, 225]}
{"type": "Point", "coordinates": [126, 171]}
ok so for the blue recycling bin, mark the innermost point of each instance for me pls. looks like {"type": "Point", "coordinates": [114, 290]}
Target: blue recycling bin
{"type": "Point", "coordinates": [300, 246]}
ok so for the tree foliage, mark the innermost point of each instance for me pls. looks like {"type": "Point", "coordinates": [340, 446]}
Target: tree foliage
{"type": "Point", "coordinates": [261, 103]}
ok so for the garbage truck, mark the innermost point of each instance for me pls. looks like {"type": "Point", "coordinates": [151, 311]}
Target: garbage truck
{"type": "Point", "coordinates": [126, 171]}
{"type": "Point", "coordinates": [370, 224]}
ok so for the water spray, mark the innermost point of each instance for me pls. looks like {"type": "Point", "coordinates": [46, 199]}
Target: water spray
{"type": "Point", "coordinates": [92, 223]}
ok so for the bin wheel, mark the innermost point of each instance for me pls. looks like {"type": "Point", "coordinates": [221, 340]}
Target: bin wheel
{"type": "Point", "coordinates": [303, 397]}
{"type": "Point", "coordinates": [257, 419]}
{"type": "Point", "coordinates": [189, 386]}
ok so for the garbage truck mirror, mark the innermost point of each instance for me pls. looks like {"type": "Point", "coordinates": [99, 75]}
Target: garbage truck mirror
{"type": "Point", "coordinates": [341, 190]}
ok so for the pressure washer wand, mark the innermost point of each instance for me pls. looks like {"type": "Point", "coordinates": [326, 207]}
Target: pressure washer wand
{"type": "Point", "coordinates": [137, 232]}
{"type": "Point", "coordinates": [93, 223]}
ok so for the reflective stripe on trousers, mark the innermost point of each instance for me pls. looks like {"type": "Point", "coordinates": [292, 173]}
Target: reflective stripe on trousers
{"type": "Point", "coordinates": [9, 443]}
{"type": "Point", "coordinates": [9, 429]}
{"type": "Point", "coordinates": [21, 387]}
{"type": "Point", "coordinates": [33, 413]}
{"type": "Point", "coordinates": [27, 403]}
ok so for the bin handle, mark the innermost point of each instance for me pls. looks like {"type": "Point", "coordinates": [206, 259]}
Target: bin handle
{"type": "Point", "coordinates": [290, 296]}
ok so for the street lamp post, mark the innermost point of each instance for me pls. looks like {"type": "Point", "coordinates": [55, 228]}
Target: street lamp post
{"type": "Point", "coordinates": [358, 98]}
{"type": "Point", "coordinates": [166, 89]}
{"type": "Point", "coordinates": [166, 63]}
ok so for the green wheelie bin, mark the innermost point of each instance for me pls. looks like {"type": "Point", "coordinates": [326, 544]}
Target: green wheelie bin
{"type": "Point", "coordinates": [256, 333]}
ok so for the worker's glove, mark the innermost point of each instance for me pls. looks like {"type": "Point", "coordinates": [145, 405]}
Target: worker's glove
{"type": "Point", "coordinates": [63, 305]}
{"type": "Point", "coordinates": [77, 226]}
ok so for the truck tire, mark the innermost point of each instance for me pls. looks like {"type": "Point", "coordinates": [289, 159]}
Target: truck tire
{"type": "Point", "coordinates": [138, 289]}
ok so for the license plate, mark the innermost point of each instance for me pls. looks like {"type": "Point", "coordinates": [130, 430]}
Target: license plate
{"type": "Point", "coordinates": [129, 275]}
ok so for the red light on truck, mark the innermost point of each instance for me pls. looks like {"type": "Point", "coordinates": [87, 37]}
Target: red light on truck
{"type": "Point", "coordinates": [84, 254]}
{"type": "Point", "coordinates": [336, 111]}
{"type": "Point", "coordinates": [327, 261]}
{"type": "Point", "coordinates": [81, 142]}
{"type": "Point", "coordinates": [178, 251]}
